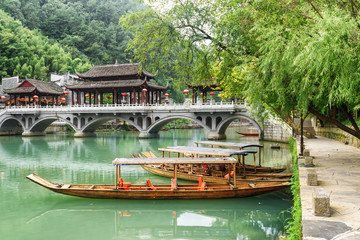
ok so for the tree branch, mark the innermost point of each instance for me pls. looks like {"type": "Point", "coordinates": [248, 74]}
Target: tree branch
{"type": "Point", "coordinates": [335, 122]}
{"type": "Point", "coordinates": [350, 117]}
{"type": "Point", "coordinates": [312, 5]}
{"type": "Point", "coordinates": [292, 124]}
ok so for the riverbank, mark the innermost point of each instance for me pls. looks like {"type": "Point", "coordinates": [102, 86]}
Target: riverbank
{"type": "Point", "coordinates": [338, 171]}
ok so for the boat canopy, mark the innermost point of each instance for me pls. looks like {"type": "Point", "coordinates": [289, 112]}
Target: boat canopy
{"type": "Point", "coordinates": [228, 144]}
{"type": "Point", "coordinates": [206, 151]}
{"type": "Point", "coordinates": [174, 161]}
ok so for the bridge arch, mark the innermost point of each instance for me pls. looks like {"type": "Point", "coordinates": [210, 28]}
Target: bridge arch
{"type": "Point", "coordinates": [221, 128]}
{"type": "Point", "coordinates": [92, 125]}
{"type": "Point", "coordinates": [157, 125]}
{"type": "Point", "coordinates": [9, 125]}
{"type": "Point", "coordinates": [41, 124]}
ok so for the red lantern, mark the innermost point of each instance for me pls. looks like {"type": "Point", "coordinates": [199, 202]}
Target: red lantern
{"type": "Point", "coordinates": [124, 94]}
{"type": "Point", "coordinates": [92, 96]}
{"type": "Point", "coordinates": [66, 92]}
{"type": "Point", "coordinates": [45, 101]}
{"type": "Point", "coordinates": [186, 91]}
{"type": "Point", "coordinates": [87, 95]}
{"type": "Point", "coordinates": [22, 99]}
{"type": "Point", "coordinates": [211, 93]}
{"type": "Point", "coordinates": [201, 94]}
{"type": "Point", "coordinates": [109, 97]}
{"type": "Point", "coordinates": [166, 95]}
{"type": "Point", "coordinates": [144, 90]}
{"type": "Point", "coordinates": [63, 99]}
{"type": "Point", "coordinates": [35, 97]}
{"type": "Point", "coordinates": [3, 97]}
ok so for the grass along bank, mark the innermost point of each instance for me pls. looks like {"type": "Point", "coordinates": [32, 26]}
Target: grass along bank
{"type": "Point", "coordinates": [294, 227]}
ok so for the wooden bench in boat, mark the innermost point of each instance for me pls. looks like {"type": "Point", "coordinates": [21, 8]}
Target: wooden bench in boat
{"type": "Point", "coordinates": [149, 185]}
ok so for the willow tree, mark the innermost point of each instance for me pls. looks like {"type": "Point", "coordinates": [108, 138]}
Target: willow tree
{"type": "Point", "coordinates": [283, 54]}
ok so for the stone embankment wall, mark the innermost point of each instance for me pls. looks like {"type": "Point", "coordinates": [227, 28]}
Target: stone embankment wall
{"type": "Point", "coordinates": [338, 135]}
{"type": "Point", "coordinates": [276, 130]}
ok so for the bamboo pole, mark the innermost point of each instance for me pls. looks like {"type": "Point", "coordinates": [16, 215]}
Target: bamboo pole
{"type": "Point", "coordinates": [116, 176]}
{"type": "Point", "coordinates": [259, 156]}
{"type": "Point", "coordinates": [175, 175]}
{"type": "Point", "coordinates": [243, 162]}
{"type": "Point", "coordinates": [234, 166]}
{"type": "Point", "coordinates": [255, 162]}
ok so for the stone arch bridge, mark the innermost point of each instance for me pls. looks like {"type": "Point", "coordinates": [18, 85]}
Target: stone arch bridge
{"type": "Point", "coordinates": [148, 119]}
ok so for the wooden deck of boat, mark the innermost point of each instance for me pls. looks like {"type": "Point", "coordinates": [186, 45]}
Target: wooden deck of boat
{"type": "Point", "coordinates": [205, 151]}
{"type": "Point", "coordinates": [227, 144]}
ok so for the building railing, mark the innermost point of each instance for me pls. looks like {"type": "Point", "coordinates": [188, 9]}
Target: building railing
{"type": "Point", "coordinates": [129, 107]}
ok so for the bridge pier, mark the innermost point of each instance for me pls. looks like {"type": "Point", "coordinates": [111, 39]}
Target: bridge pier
{"type": "Point", "coordinates": [84, 134]}
{"type": "Point", "coordinates": [33, 134]}
{"type": "Point", "coordinates": [216, 136]}
{"type": "Point", "coordinates": [144, 135]}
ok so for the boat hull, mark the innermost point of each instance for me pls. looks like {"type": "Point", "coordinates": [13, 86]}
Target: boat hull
{"type": "Point", "coordinates": [248, 134]}
{"type": "Point", "coordinates": [221, 180]}
{"type": "Point", "coordinates": [213, 191]}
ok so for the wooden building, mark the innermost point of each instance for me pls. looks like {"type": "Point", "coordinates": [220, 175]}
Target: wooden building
{"type": "Point", "coordinates": [203, 88]}
{"type": "Point", "coordinates": [120, 83]}
{"type": "Point", "coordinates": [36, 92]}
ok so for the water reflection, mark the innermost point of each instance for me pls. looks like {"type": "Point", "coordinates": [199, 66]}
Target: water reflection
{"type": "Point", "coordinates": [42, 214]}
{"type": "Point", "coordinates": [209, 219]}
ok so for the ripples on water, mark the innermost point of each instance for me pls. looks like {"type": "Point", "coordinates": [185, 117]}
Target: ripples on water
{"type": "Point", "coordinates": [29, 211]}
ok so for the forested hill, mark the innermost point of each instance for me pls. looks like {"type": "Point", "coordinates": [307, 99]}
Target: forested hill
{"type": "Point", "coordinates": [85, 28]}
{"type": "Point", "coordinates": [29, 54]}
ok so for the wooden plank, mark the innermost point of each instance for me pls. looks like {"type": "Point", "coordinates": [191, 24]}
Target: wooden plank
{"type": "Point", "coordinates": [228, 144]}
{"type": "Point", "coordinates": [152, 161]}
{"type": "Point", "coordinates": [206, 151]}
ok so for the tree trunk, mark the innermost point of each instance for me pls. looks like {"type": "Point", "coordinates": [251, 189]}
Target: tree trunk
{"type": "Point", "coordinates": [351, 131]}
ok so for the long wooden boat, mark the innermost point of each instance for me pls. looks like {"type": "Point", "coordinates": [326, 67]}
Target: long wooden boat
{"type": "Point", "coordinates": [186, 175]}
{"type": "Point", "coordinates": [124, 190]}
{"type": "Point", "coordinates": [248, 134]}
{"type": "Point", "coordinates": [240, 146]}
{"type": "Point", "coordinates": [197, 151]}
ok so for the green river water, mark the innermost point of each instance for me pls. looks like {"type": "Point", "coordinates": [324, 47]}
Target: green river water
{"type": "Point", "coordinates": [28, 211]}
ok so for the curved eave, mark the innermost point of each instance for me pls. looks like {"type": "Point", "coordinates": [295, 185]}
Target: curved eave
{"type": "Point", "coordinates": [116, 84]}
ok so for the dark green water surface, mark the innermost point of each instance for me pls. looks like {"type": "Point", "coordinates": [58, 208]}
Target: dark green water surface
{"type": "Point", "coordinates": [28, 211]}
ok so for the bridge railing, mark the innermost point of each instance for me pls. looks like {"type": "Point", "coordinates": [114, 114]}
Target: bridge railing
{"type": "Point", "coordinates": [128, 107]}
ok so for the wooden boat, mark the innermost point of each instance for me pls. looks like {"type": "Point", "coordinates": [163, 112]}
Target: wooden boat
{"type": "Point", "coordinates": [214, 174]}
{"type": "Point", "coordinates": [219, 177]}
{"type": "Point", "coordinates": [241, 146]}
{"type": "Point", "coordinates": [126, 190]}
{"type": "Point", "coordinates": [247, 134]}
{"type": "Point", "coordinates": [196, 151]}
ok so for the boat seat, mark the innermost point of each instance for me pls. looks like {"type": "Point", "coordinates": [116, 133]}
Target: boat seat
{"type": "Point", "coordinates": [252, 185]}
{"type": "Point", "coordinates": [124, 185]}
{"type": "Point", "coordinates": [202, 184]}
{"type": "Point", "coordinates": [231, 175]}
{"type": "Point", "coordinates": [149, 185]}
{"type": "Point", "coordinates": [66, 186]}
{"type": "Point", "coordinates": [92, 187]}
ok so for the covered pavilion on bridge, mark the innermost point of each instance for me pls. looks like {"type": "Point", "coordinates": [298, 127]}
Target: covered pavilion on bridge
{"type": "Point", "coordinates": [122, 83]}
{"type": "Point", "coordinates": [203, 88]}
{"type": "Point", "coordinates": [35, 92]}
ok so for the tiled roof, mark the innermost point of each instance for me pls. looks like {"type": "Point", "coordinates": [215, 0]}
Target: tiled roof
{"type": "Point", "coordinates": [115, 84]}
{"type": "Point", "coordinates": [114, 70]}
{"type": "Point", "coordinates": [40, 86]}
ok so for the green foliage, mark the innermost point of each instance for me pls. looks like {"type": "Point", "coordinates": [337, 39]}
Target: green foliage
{"type": "Point", "coordinates": [290, 55]}
{"type": "Point", "coordinates": [86, 29]}
{"type": "Point", "coordinates": [293, 227]}
{"type": "Point", "coordinates": [28, 54]}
